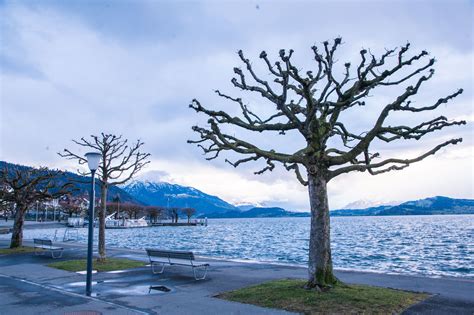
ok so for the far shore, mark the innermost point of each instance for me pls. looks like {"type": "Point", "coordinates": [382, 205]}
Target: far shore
{"type": "Point", "coordinates": [30, 224]}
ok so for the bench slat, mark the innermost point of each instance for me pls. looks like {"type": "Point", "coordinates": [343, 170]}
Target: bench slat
{"type": "Point", "coordinates": [170, 254]}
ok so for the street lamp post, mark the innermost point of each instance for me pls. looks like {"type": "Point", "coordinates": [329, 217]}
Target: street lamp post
{"type": "Point", "coordinates": [93, 159]}
{"type": "Point", "coordinates": [55, 205]}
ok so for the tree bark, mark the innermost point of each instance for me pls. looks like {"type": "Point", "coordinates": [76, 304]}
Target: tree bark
{"type": "Point", "coordinates": [102, 213]}
{"type": "Point", "coordinates": [17, 234]}
{"type": "Point", "coordinates": [320, 271]}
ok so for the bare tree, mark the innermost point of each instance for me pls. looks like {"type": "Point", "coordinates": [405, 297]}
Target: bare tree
{"type": "Point", "coordinates": [111, 208]}
{"type": "Point", "coordinates": [26, 186]}
{"type": "Point", "coordinates": [7, 208]}
{"type": "Point", "coordinates": [311, 104]}
{"type": "Point", "coordinates": [154, 212]}
{"type": "Point", "coordinates": [72, 205]}
{"type": "Point", "coordinates": [174, 214]}
{"type": "Point", "coordinates": [120, 162]}
{"type": "Point", "coordinates": [189, 213]}
{"type": "Point", "coordinates": [117, 201]}
{"type": "Point", "coordinates": [131, 209]}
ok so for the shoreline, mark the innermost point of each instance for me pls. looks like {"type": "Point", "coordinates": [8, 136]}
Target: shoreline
{"type": "Point", "coordinates": [141, 252]}
{"type": "Point", "coordinates": [258, 262]}
{"type": "Point", "coordinates": [10, 221]}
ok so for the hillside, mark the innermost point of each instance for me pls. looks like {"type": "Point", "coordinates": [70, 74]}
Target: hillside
{"type": "Point", "coordinates": [172, 195]}
{"type": "Point", "coordinates": [259, 212]}
{"type": "Point", "coordinates": [427, 206]}
{"type": "Point", "coordinates": [82, 184]}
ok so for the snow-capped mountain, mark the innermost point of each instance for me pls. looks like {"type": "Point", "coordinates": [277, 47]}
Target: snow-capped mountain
{"type": "Point", "coordinates": [427, 206]}
{"type": "Point", "coordinates": [364, 203]}
{"type": "Point", "coordinates": [173, 195]}
{"type": "Point", "coordinates": [245, 206]}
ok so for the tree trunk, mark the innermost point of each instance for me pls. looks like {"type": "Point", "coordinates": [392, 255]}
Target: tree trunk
{"type": "Point", "coordinates": [320, 270]}
{"type": "Point", "coordinates": [17, 234]}
{"type": "Point", "coordinates": [102, 213]}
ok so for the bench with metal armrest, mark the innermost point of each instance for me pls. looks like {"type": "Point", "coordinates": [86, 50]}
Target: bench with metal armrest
{"type": "Point", "coordinates": [161, 258]}
{"type": "Point", "coordinates": [43, 246]}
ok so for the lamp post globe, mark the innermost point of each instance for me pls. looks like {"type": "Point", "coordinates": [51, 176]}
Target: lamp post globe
{"type": "Point", "coordinates": [93, 159]}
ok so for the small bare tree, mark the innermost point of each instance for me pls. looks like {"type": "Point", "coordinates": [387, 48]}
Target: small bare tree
{"type": "Point", "coordinates": [312, 104]}
{"type": "Point", "coordinates": [116, 200]}
{"type": "Point", "coordinates": [24, 187]}
{"type": "Point", "coordinates": [174, 214]}
{"type": "Point", "coordinates": [72, 205]}
{"type": "Point", "coordinates": [120, 162]}
{"type": "Point", "coordinates": [131, 209]}
{"type": "Point", "coordinates": [154, 213]}
{"type": "Point", "coordinates": [189, 213]}
{"type": "Point", "coordinates": [7, 208]}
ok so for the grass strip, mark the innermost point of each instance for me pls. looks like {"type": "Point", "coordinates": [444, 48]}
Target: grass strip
{"type": "Point", "coordinates": [110, 264]}
{"type": "Point", "coordinates": [290, 295]}
{"type": "Point", "coordinates": [17, 250]}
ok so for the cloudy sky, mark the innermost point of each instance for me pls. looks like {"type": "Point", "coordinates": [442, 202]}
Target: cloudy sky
{"type": "Point", "coordinates": [74, 68]}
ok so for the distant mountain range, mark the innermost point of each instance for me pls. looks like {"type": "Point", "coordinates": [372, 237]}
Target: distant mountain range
{"type": "Point", "coordinates": [258, 212]}
{"type": "Point", "coordinates": [173, 195]}
{"type": "Point", "coordinates": [428, 206]}
{"type": "Point", "coordinates": [434, 205]}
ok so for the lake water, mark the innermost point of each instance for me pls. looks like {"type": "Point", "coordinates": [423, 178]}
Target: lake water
{"type": "Point", "coordinates": [425, 245]}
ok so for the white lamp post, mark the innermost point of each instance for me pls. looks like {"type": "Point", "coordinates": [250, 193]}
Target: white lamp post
{"type": "Point", "coordinates": [93, 159]}
{"type": "Point", "coordinates": [55, 205]}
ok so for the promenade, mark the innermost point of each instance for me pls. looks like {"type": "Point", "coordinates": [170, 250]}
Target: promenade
{"type": "Point", "coordinates": [28, 286]}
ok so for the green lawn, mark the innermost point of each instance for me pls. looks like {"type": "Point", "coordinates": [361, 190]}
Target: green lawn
{"type": "Point", "coordinates": [17, 250]}
{"type": "Point", "coordinates": [110, 264]}
{"type": "Point", "coordinates": [290, 295]}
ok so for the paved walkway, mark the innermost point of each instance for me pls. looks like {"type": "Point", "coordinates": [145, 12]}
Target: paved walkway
{"type": "Point", "coordinates": [28, 285]}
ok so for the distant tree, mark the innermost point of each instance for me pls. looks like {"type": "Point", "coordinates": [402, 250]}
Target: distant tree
{"type": "Point", "coordinates": [189, 213]}
{"type": "Point", "coordinates": [25, 187]}
{"type": "Point", "coordinates": [154, 212]}
{"type": "Point", "coordinates": [174, 214]}
{"type": "Point", "coordinates": [120, 162]}
{"type": "Point", "coordinates": [41, 209]}
{"type": "Point", "coordinates": [314, 105]}
{"type": "Point", "coordinates": [117, 201]}
{"type": "Point", "coordinates": [131, 209]}
{"type": "Point", "coordinates": [7, 208]}
{"type": "Point", "coordinates": [111, 208]}
{"type": "Point", "coordinates": [72, 205]}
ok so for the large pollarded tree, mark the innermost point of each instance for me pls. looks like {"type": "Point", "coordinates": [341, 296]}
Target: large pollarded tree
{"type": "Point", "coordinates": [119, 163]}
{"type": "Point", "coordinates": [311, 103]}
{"type": "Point", "coordinates": [24, 187]}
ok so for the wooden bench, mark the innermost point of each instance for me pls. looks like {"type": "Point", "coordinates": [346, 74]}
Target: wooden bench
{"type": "Point", "coordinates": [161, 257]}
{"type": "Point", "coordinates": [46, 245]}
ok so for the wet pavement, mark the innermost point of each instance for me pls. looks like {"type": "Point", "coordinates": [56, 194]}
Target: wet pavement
{"type": "Point", "coordinates": [27, 284]}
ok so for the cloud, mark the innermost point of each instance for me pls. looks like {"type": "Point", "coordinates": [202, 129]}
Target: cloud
{"type": "Point", "coordinates": [69, 70]}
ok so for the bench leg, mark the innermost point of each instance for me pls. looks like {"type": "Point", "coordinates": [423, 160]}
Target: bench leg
{"type": "Point", "coordinates": [37, 251]}
{"type": "Point", "coordinates": [58, 256]}
{"type": "Point", "coordinates": [155, 271]}
{"type": "Point", "coordinates": [196, 274]}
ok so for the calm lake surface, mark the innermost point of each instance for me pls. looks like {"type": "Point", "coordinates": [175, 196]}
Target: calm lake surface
{"type": "Point", "coordinates": [427, 245]}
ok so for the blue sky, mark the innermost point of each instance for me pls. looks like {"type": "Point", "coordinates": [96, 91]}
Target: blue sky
{"type": "Point", "coordinates": [74, 68]}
